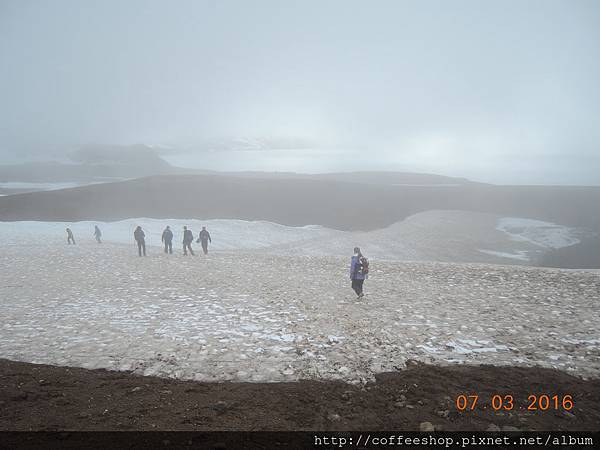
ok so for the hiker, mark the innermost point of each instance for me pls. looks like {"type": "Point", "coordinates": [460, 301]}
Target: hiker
{"type": "Point", "coordinates": [359, 270]}
{"type": "Point", "coordinates": [70, 238]}
{"type": "Point", "coordinates": [167, 238]}
{"type": "Point", "coordinates": [188, 238]}
{"type": "Point", "coordinates": [98, 235]}
{"type": "Point", "coordinates": [139, 237]}
{"type": "Point", "coordinates": [204, 237]}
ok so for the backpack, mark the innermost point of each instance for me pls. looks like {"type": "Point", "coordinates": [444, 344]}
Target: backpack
{"type": "Point", "coordinates": [364, 263]}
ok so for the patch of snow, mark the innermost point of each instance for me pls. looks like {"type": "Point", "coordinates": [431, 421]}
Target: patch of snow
{"type": "Point", "coordinates": [226, 234]}
{"type": "Point", "coordinates": [520, 255]}
{"type": "Point", "coordinates": [52, 186]}
{"type": "Point", "coordinates": [453, 236]}
{"type": "Point", "coordinates": [470, 346]}
{"type": "Point", "coordinates": [543, 234]}
{"type": "Point", "coordinates": [38, 186]}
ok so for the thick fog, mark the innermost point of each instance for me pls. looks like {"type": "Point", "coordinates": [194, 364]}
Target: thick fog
{"type": "Point", "coordinates": [504, 91]}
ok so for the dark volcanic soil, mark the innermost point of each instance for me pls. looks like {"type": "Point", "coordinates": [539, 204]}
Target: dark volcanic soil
{"type": "Point", "coordinates": [40, 397]}
{"type": "Point", "coordinates": [298, 202]}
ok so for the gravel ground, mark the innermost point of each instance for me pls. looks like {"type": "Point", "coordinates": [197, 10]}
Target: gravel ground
{"type": "Point", "coordinates": [262, 318]}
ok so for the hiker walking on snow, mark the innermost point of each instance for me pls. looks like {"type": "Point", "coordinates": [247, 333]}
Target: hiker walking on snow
{"type": "Point", "coordinates": [359, 269]}
{"type": "Point", "coordinates": [188, 238]}
{"type": "Point", "coordinates": [98, 235]}
{"type": "Point", "coordinates": [204, 237]}
{"type": "Point", "coordinates": [70, 238]}
{"type": "Point", "coordinates": [140, 238]}
{"type": "Point", "coordinates": [167, 238]}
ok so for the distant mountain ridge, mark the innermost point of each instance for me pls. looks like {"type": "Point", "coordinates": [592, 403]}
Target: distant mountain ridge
{"type": "Point", "coordinates": [92, 163]}
{"type": "Point", "coordinates": [299, 201]}
{"type": "Point", "coordinates": [133, 155]}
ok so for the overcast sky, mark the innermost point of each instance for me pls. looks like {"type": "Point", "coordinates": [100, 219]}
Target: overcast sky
{"type": "Point", "coordinates": [502, 91]}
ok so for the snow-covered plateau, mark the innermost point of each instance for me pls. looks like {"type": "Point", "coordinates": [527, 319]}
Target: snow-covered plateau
{"type": "Point", "coordinates": [273, 303]}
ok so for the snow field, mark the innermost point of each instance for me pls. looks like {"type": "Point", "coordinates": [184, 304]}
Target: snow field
{"type": "Point", "coordinates": [251, 316]}
{"type": "Point", "coordinates": [452, 236]}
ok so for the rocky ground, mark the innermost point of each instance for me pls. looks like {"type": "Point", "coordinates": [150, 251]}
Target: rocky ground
{"type": "Point", "coordinates": [261, 318]}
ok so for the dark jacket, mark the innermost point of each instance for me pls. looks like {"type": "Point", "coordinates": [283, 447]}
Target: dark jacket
{"type": "Point", "coordinates": [167, 236]}
{"type": "Point", "coordinates": [139, 234]}
{"type": "Point", "coordinates": [188, 236]}
{"type": "Point", "coordinates": [204, 236]}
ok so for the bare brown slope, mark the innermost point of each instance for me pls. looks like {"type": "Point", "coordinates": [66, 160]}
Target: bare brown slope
{"type": "Point", "coordinates": [40, 397]}
{"type": "Point", "coordinates": [297, 202]}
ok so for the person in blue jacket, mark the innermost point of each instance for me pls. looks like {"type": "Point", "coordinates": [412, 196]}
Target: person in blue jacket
{"type": "Point", "coordinates": [358, 272]}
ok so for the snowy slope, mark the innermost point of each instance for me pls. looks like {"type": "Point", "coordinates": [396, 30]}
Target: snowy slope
{"type": "Point", "coordinates": [452, 236]}
{"type": "Point", "coordinates": [225, 317]}
{"type": "Point", "coordinates": [227, 234]}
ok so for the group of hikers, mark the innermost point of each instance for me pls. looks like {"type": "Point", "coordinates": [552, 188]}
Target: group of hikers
{"type": "Point", "coordinates": [359, 265]}
{"type": "Point", "coordinates": [167, 238]}
{"type": "Point", "coordinates": [97, 235]}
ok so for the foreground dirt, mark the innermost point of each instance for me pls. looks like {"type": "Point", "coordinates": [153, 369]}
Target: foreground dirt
{"type": "Point", "coordinates": [41, 397]}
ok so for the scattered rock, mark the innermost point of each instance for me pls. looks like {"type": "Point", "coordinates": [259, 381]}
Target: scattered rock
{"type": "Point", "coordinates": [19, 396]}
{"type": "Point", "coordinates": [219, 407]}
{"type": "Point", "coordinates": [568, 415]}
{"type": "Point", "coordinates": [443, 414]}
{"type": "Point", "coordinates": [399, 404]}
{"type": "Point", "coordinates": [509, 428]}
{"type": "Point", "coordinates": [136, 389]}
{"type": "Point", "coordinates": [493, 427]}
{"type": "Point", "coordinates": [426, 427]}
{"type": "Point", "coordinates": [333, 417]}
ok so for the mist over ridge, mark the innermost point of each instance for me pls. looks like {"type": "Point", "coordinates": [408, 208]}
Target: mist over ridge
{"type": "Point", "coordinates": [495, 92]}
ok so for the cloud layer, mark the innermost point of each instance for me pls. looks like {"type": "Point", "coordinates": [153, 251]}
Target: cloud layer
{"type": "Point", "coordinates": [501, 92]}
